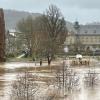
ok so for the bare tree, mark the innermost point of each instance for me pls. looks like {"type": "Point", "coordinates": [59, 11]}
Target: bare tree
{"type": "Point", "coordinates": [91, 78]}
{"type": "Point", "coordinates": [46, 33]}
{"type": "Point", "coordinates": [67, 79]}
{"type": "Point", "coordinates": [32, 35]}
{"type": "Point", "coordinates": [54, 26]}
{"type": "Point", "coordinates": [24, 88]}
{"type": "Point", "coordinates": [25, 26]}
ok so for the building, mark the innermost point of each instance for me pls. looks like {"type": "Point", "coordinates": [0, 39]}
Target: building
{"type": "Point", "coordinates": [88, 38]}
{"type": "Point", "coordinates": [10, 42]}
{"type": "Point", "coordinates": [14, 44]}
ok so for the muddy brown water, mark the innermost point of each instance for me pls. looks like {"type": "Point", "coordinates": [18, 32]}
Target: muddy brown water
{"type": "Point", "coordinates": [6, 79]}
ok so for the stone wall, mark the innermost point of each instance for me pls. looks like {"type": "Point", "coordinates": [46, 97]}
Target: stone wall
{"type": "Point", "coordinates": [2, 36]}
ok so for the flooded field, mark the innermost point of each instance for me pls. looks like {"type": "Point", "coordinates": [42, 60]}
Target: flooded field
{"type": "Point", "coordinates": [85, 92]}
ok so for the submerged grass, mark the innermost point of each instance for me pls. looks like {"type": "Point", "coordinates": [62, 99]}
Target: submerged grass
{"type": "Point", "coordinates": [42, 69]}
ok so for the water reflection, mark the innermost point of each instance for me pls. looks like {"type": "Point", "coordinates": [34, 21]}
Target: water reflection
{"type": "Point", "coordinates": [13, 65]}
{"type": "Point", "coordinates": [93, 93]}
{"type": "Point", "coordinates": [5, 83]}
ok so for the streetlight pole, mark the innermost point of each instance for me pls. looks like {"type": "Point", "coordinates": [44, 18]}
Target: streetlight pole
{"type": "Point", "coordinates": [77, 28]}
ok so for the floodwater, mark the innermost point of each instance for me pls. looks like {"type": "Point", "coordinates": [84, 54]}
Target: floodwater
{"type": "Point", "coordinates": [9, 75]}
{"type": "Point", "coordinates": [85, 92]}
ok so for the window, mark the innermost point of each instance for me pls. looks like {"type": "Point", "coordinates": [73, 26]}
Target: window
{"type": "Point", "coordinates": [94, 31]}
{"type": "Point", "coordinates": [86, 31]}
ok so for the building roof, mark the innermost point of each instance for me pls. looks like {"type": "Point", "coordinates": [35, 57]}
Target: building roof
{"type": "Point", "coordinates": [89, 30]}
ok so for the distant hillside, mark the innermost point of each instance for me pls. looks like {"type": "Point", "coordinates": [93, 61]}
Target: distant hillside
{"type": "Point", "coordinates": [12, 17]}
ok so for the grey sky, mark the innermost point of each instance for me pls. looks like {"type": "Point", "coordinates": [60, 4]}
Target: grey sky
{"type": "Point", "coordinates": [82, 10]}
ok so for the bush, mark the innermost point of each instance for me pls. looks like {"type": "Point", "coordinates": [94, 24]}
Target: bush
{"type": "Point", "coordinates": [10, 55]}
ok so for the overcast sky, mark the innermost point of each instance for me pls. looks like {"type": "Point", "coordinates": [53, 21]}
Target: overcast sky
{"type": "Point", "coordinates": [82, 10]}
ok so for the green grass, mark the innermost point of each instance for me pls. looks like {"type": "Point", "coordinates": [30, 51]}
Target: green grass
{"type": "Point", "coordinates": [18, 59]}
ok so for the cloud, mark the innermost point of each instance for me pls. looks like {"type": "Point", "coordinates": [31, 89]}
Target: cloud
{"type": "Point", "coordinates": [23, 4]}
{"type": "Point", "coordinates": [29, 4]}
{"type": "Point", "coordinates": [86, 4]}
{"type": "Point", "coordinates": [83, 10]}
